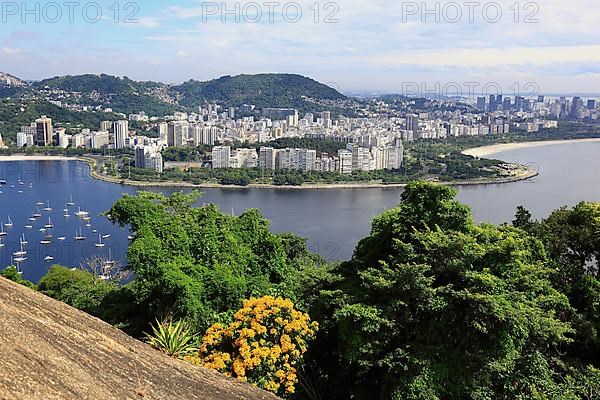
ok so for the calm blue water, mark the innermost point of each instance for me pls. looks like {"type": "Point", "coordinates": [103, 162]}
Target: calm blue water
{"type": "Point", "coordinates": [333, 221]}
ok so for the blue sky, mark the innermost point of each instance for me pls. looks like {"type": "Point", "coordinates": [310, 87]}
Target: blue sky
{"type": "Point", "coordinates": [376, 45]}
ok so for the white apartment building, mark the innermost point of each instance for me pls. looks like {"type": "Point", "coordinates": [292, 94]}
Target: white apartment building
{"type": "Point", "coordinates": [221, 156]}
{"type": "Point", "coordinates": [121, 133]}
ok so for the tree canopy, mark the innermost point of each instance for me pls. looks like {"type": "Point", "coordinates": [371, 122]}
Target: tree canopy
{"type": "Point", "coordinates": [432, 306]}
{"type": "Point", "coordinates": [200, 263]}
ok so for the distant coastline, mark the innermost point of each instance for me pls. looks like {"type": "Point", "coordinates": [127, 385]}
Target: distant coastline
{"type": "Point", "coordinates": [524, 175]}
{"type": "Point", "coordinates": [499, 148]}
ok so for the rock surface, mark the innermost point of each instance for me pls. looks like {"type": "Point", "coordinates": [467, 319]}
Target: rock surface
{"type": "Point", "coordinates": [49, 350]}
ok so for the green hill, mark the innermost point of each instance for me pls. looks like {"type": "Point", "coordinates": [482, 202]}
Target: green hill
{"type": "Point", "coordinates": [263, 90]}
{"type": "Point", "coordinates": [121, 94]}
{"type": "Point", "coordinates": [125, 95]}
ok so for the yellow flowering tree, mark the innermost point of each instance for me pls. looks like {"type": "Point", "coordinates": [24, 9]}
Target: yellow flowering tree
{"type": "Point", "coordinates": [263, 345]}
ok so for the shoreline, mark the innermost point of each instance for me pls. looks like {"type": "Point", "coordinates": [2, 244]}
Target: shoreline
{"type": "Point", "coordinates": [92, 163]}
{"type": "Point", "coordinates": [484, 151]}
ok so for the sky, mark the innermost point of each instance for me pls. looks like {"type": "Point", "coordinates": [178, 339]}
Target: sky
{"type": "Point", "coordinates": [423, 47]}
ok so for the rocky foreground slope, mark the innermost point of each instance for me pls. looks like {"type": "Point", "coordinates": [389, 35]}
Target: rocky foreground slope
{"type": "Point", "coordinates": [49, 350]}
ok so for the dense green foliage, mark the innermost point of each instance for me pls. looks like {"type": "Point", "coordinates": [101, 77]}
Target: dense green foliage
{"type": "Point", "coordinates": [75, 287]}
{"type": "Point", "coordinates": [121, 94]}
{"type": "Point", "coordinates": [572, 240]}
{"type": "Point", "coordinates": [199, 263]}
{"type": "Point", "coordinates": [263, 90]}
{"type": "Point", "coordinates": [432, 306]}
{"type": "Point", "coordinates": [11, 273]}
{"type": "Point", "coordinates": [185, 153]}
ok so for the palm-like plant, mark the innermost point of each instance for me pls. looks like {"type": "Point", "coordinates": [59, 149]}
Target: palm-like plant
{"type": "Point", "coordinates": [173, 338]}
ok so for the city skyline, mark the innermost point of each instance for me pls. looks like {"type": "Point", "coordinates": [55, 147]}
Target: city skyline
{"type": "Point", "coordinates": [380, 47]}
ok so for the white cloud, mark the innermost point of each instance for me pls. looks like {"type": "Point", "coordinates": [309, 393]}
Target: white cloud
{"type": "Point", "coordinates": [9, 51]}
{"type": "Point", "coordinates": [487, 57]}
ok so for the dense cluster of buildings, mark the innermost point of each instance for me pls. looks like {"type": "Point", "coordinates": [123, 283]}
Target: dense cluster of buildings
{"type": "Point", "coordinates": [556, 108]}
{"type": "Point", "coordinates": [346, 161]}
{"type": "Point", "coordinates": [373, 141]}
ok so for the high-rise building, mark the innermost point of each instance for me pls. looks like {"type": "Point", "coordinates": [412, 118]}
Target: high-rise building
{"type": "Point", "coordinates": [506, 105]}
{"type": "Point", "coordinates": [99, 140]}
{"type": "Point", "coordinates": [481, 103]}
{"type": "Point", "coordinates": [577, 107]}
{"type": "Point", "coordinates": [221, 156]}
{"type": "Point", "coordinates": [43, 131]}
{"type": "Point", "coordinates": [148, 157]}
{"type": "Point", "coordinates": [177, 133]}
{"type": "Point", "coordinates": [345, 161]}
{"type": "Point", "coordinates": [306, 159]}
{"type": "Point", "coordinates": [395, 155]}
{"type": "Point", "coordinates": [266, 158]}
{"type": "Point", "coordinates": [121, 132]}
{"type": "Point", "coordinates": [105, 126]}
{"type": "Point", "coordinates": [21, 139]}
{"type": "Point", "coordinates": [591, 104]}
{"type": "Point", "coordinates": [210, 135]}
{"type": "Point", "coordinates": [163, 130]}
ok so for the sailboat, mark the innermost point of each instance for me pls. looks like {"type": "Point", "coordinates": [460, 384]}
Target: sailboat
{"type": "Point", "coordinates": [9, 223]}
{"type": "Point", "coordinates": [37, 214]}
{"type": "Point", "coordinates": [48, 208]}
{"type": "Point", "coordinates": [20, 253]}
{"type": "Point", "coordinates": [39, 203]}
{"type": "Point", "coordinates": [110, 262]}
{"type": "Point", "coordinates": [79, 235]}
{"type": "Point", "coordinates": [23, 240]}
{"type": "Point", "coordinates": [100, 244]}
{"type": "Point", "coordinates": [62, 238]}
{"type": "Point", "coordinates": [71, 202]}
{"type": "Point", "coordinates": [2, 233]}
{"type": "Point", "coordinates": [66, 209]}
{"type": "Point", "coordinates": [48, 258]}
{"type": "Point", "coordinates": [49, 225]}
{"type": "Point", "coordinates": [81, 213]}
{"type": "Point", "coordinates": [18, 261]}
{"type": "Point", "coordinates": [106, 236]}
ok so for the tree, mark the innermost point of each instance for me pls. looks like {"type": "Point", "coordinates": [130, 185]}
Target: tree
{"type": "Point", "coordinates": [263, 345]}
{"type": "Point", "coordinates": [11, 273]}
{"type": "Point", "coordinates": [77, 288]}
{"type": "Point", "coordinates": [432, 306]}
{"type": "Point", "coordinates": [572, 240]}
{"type": "Point", "coordinates": [199, 264]}
{"type": "Point", "coordinates": [522, 219]}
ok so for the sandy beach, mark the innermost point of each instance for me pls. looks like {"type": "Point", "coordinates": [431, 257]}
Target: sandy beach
{"type": "Point", "coordinates": [498, 148]}
{"type": "Point", "coordinates": [22, 157]}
